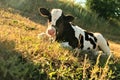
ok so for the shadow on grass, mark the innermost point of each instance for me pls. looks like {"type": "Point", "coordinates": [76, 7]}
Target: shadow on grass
{"type": "Point", "coordinates": [13, 66]}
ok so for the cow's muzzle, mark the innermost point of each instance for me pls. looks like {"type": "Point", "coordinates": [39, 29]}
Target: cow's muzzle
{"type": "Point", "coordinates": [51, 31]}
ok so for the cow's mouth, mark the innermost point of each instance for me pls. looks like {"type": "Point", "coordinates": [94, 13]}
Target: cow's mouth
{"type": "Point", "coordinates": [51, 32]}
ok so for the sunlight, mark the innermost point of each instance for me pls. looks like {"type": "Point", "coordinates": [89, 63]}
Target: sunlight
{"type": "Point", "coordinates": [81, 2]}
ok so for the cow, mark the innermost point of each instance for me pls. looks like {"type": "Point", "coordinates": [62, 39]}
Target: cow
{"type": "Point", "coordinates": [61, 27]}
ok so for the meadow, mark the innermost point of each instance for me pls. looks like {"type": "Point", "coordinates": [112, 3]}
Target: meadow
{"type": "Point", "coordinates": [25, 57]}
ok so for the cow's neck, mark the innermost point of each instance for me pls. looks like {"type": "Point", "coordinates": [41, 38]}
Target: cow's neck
{"type": "Point", "coordinates": [68, 35]}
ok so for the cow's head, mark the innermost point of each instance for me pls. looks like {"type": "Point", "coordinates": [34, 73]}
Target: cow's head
{"type": "Point", "coordinates": [56, 21]}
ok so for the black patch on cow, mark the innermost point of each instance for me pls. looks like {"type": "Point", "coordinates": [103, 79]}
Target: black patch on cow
{"type": "Point", "coordinates": [87, 34]}
{"type": "Point", "coordinates": [81, 40]}
{"type": "Point", "coordinates": [92, 40]}
{"type": "Point", "coordinates": [88, 48]}
{"type": "Point", "coordinates": [69, 35]}
{"type": "Point", "coordinates": [107, 43]}
{"type": "Point", "coordinates": [50, 18]}
{"type": "Point", "coordinates": [66, 33]}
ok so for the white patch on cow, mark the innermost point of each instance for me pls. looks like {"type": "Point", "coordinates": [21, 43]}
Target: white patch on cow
{"type": "Point", "coordinates": [102, 43]}
{"type": "Point", "coordinates": [87, 45]}
{"type": "Point", "coordinates": [91, 37]}
{"type": "Point", "coordinates": [66, 45]}
{"type": "Point", "coordinates": [78, 31]}
{"type": "Point", "coordinates": [55, 13]}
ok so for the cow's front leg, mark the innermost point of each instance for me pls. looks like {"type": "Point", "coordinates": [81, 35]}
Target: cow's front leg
{"type": "Point", "coordinates": [65, 45]}
{"type": "Point", "coordinates": [76, 52]}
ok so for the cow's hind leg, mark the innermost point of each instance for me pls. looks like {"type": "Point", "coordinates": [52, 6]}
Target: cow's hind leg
{"type": "Point", "coordinates": [102, 43]}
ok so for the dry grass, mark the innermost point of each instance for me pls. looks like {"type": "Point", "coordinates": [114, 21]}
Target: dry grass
{"type": "Point", "coordinates": [115, 48]}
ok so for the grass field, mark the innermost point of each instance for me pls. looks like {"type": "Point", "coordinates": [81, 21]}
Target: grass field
{"type": "Point", "coordinates": [25, 57]}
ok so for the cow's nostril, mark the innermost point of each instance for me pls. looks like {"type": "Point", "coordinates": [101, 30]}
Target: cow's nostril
{"type": "Point", "coordinates": [53, 25]}
{"type": "Point", "coordinates": [51, 32]}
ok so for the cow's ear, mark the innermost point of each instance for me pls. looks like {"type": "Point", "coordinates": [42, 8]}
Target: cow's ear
{"type": "Point", "coordinates": [44, 12]}
{"type": "Point", "coordinates": [69, 18]}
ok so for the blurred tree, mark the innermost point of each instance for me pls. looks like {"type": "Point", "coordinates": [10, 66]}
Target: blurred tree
{"type": "Point", "coordinates": [105, 8]}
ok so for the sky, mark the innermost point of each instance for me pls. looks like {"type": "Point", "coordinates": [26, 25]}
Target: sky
{"type": "Point", "coordinates": [82, 2]}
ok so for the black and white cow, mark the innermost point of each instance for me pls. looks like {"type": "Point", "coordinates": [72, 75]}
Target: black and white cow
{"type": "Point", "coordinates": [60, 26]}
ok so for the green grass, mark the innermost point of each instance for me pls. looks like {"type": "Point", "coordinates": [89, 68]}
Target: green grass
{"type": "Point", "coordinates": [25, 57]}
